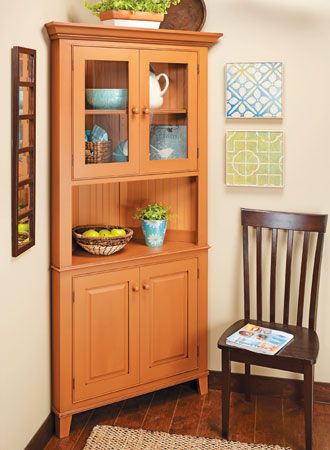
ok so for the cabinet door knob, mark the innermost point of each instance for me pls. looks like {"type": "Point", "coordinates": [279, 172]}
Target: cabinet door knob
{"type": "Point", "coordinates": [146, 286]}
{"type": "Point", "coordinates": [146, 111]}
{"type": "Point", "coordinates": [135, 110]}
{"type": "Point", "coordinates": [135, 288]}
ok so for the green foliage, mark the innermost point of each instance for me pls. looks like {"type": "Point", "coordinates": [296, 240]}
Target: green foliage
{"type": "Point", "coordinates": [155, 6]}
{"type": "Point", "coordinates": [154, 211]}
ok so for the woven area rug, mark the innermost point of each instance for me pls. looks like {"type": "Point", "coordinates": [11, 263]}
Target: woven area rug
{"type": "Point", "coordinates": [116, 438]}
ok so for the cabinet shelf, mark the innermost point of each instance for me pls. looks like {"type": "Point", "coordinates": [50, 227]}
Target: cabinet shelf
{"type": "Point", "coordinates": [104, 112]}
{"type": "Point", "coordinates": [168, 111]}
{"type": "Point", "coordinates": [135, 250]}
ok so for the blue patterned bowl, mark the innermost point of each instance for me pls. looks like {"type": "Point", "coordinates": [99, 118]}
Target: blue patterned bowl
{"type": "Point", "coordinates": [107, 98]}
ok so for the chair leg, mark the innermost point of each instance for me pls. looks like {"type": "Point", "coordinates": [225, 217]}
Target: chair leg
{"type": "Point", "coordinates": [308, 404]}
{"type": "Point", "coordinates": [247, 382]}
{"type": "Point", "coordinates": [225, 393]}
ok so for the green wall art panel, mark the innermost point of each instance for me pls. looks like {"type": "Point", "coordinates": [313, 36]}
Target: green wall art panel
{"type": "Point", "coordinates": [254, 158]}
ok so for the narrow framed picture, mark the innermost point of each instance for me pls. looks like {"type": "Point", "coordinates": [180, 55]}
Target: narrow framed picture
{"type": "Point", "coordinates": [23, 148]}
{"type": "Point", "coordinates": [255, 158]}
{"type": "Point", "coordinates": [254, 90]}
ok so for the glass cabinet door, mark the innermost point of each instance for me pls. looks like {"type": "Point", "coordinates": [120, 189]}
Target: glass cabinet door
{"type": "Point", "coordinates": [105, 112]}
{"type": "Point", "coordinates": [168, 87]}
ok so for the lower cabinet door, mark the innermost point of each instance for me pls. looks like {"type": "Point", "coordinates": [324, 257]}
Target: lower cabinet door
{"type": "Point", "coordinates": [106, 333]}
{"type": "Point", "coordinates": [168, 317]}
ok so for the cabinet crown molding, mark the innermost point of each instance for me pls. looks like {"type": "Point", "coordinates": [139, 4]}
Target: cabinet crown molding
{"type": "Point", "coordinates": [61, 30]}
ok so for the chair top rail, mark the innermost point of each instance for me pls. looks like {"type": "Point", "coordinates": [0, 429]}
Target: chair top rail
{"type": "Point", "coordinates": [284, 220]}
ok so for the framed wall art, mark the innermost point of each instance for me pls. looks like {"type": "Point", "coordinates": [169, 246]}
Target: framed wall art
{"type": "Point", "coordinates": [254, 90]}
{"type": "Point", "coordinates": [254, 158]}
{"type": "Point", "coordinates": [23, 148]}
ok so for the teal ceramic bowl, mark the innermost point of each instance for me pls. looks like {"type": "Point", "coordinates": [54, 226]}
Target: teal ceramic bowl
{"type": "Point", "coordinates": [106, 98]}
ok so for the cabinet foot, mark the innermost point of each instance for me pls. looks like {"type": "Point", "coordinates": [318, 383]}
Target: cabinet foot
{"type": "Point", "coordinates": [62, 426]}
{"type": "Point", "coordinates": [203, 385]}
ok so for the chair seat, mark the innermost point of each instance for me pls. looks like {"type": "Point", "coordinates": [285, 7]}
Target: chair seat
{"type": "Point", "coordinates": [303, 349]}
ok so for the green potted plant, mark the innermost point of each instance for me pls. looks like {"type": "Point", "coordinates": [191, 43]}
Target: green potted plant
{"type": "Point", "coordinates": [154, 218]}
{"type": "Point", "coordinates": [131, 13]}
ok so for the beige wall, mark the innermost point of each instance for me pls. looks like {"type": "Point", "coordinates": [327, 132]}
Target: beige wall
{"type": "Point", "coordinates": [255, 30]}
{"type": "Point", "coordinates": [24, 299]}
{"type": "Point", "coordinates": [296, 32]}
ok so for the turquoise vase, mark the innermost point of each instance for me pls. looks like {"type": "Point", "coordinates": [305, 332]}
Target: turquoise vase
{"type": "Point", "coordinates": [154, 232]}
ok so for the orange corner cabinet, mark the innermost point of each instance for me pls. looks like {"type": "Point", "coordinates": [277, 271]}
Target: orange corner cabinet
{"type": "Point", "coordinates": [136, 321]}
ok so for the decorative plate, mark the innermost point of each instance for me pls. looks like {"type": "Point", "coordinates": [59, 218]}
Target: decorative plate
{"type": "Point", "coordinates": [188, 15]}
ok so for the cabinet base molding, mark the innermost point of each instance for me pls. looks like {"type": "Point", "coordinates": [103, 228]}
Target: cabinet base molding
{"type": "Point", "coordinates": [63, 428]}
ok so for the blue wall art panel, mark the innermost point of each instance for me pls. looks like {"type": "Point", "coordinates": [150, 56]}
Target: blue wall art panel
{"type": "Point", "coordinates": [254, 90]}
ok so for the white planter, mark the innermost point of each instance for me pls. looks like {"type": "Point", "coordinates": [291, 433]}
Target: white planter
{"type": "Point", "coordinates": [131, 19]}
{"type": "Point", "coordinates": [131, 23]}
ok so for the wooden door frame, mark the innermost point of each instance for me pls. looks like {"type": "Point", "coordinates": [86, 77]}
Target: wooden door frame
{"type": "Point", "coordinates": [176, 57]}
{"type": "Point", "coordinates": [81, 54]}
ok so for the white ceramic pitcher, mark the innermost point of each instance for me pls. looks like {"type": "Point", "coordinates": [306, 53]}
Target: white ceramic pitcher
{"type": "Point", "coordinates": [156, 94]}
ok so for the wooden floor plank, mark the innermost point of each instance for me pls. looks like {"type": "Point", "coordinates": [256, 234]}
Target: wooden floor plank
{"type": "Point", "coordinates": [242, 412]}
{"type": "Point", "coordinates": [106, 415]}
{"type": "Point", "coordinates": [269, 427]}
{"type": "Point", "coordinates": [321, 426]}
{"type": "Point", "coordinates": [293, 416]}
{"type": "Point", "coordinates": [209, 425]}
{"type": "Point", "coordinates": [79, 422]}
{"type": "Point", "coordinates": [182, 410]}
{"type": "Point", "coordinates": [160, 414]}
{"type": "Point", "coordinates": [134, 411]}
{"type": "Point", "coordinates": [188, 411]}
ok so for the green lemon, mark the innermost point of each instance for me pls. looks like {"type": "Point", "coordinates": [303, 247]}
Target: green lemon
{"type": "Point", "coordinates": [23, 227]}
{"type": "Point", "coordinates": [91, 233]}
{"type": "Point", "coordinates": [118, 232]}
{"type": "Point", "coordinates": [105, 233]}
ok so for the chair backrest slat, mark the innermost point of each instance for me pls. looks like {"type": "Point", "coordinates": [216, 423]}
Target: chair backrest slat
{"type": "Point", "coordinates": [246, 272]}
{"type": "Point", "coordinates": [288, 277]}
{"type": "Point", "coordinates": [259, 272]}
{"type": "Point", "coordinates": [290, 223]}
{"type": "Point", "coordinates": [302, 283]}
{"type": "Point", "coordinates": [315, 281]}
{"type": "Point", "coordinates": [272, 294]}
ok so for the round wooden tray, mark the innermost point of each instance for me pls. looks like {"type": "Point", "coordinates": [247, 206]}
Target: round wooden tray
{"type": "Point", "coordinates": [187, 15]}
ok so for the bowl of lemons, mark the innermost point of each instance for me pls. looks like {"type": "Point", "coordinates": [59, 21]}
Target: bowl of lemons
{"type": "Point", "coordinates": [102, 240]}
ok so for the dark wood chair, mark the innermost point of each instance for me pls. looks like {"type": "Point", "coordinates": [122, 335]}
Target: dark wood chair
{"type": "Point", "coordinates": [300, 355]}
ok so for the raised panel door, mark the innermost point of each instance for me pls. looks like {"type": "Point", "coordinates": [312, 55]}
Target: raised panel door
{"type": "Point", "coordinates": [168, 333]}
{"type": "Point", "coordinates": [106, 314]}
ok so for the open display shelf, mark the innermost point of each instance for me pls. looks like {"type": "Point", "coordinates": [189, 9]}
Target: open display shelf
{"type": "Point", "coordinates": [136, 250]}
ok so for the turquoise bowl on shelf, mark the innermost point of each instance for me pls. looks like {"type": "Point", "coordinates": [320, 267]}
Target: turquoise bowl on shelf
{"type": "Point", "coordinates": [106, 98]}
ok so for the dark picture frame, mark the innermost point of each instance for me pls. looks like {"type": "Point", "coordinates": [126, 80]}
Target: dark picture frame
{"type": "Point", "coordinates": [23, 148]}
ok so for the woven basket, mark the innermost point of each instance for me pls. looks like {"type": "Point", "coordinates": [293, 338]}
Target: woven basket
{"type": "Point", "coordinates": [98, 152]}
{"type": "Point", "coordinates": [101, 246]}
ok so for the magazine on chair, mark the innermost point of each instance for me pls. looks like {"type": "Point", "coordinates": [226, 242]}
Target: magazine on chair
{"type": "Point", "coordinates": [260, 340]}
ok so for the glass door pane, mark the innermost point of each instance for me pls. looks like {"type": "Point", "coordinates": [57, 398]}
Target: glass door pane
{"type": "Point", "coordinates": [106, 112]}
{"type": "Point", "coordinates": [170, 111]}
{"type": "Point", "coordinates": [106, 121]}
